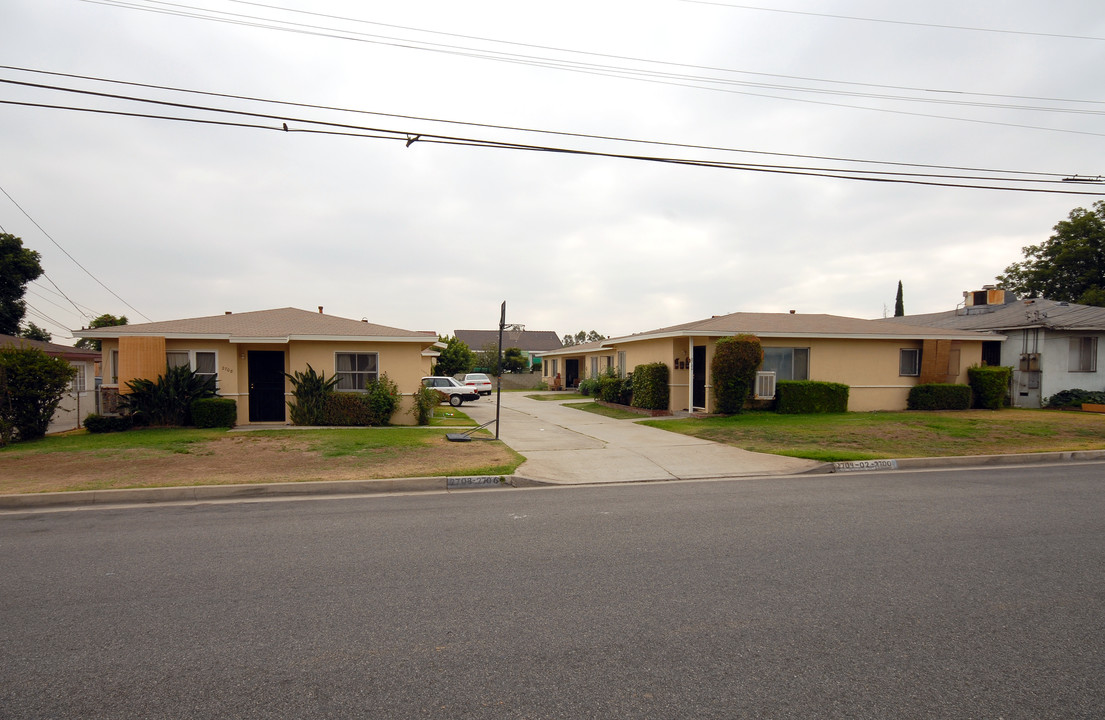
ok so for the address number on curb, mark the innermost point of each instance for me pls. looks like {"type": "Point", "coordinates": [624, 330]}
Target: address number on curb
{"type": "Point", "coordinates": [475, 482]}
{"type": "Point", "coordinates": [858, 465]}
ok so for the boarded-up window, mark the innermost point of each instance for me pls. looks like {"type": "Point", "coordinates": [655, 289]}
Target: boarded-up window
{"type": "Point", "coordinates": [1083, 354]}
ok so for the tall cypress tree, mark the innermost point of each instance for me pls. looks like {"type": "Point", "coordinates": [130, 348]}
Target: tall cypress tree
{"type": "Point", "coordinates": [899, 306]}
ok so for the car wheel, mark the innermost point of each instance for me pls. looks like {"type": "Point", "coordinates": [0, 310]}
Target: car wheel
{"type": "Point", "coordinates": [455, 400]}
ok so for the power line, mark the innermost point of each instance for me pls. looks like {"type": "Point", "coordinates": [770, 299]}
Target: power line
{"type": "Point", "coordinates": [512, 128]}
{"type": "Point", "coordinates": [342, 129]}
{"type": "Point", "coordinates": [654, 77]}
{"type": "Point", "coordinates": [894, 22]}
{"type": "Point", "coordinates": [75, 262]}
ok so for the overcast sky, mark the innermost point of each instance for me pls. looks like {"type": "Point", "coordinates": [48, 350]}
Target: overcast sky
{"type": "Point", "coordinates": [174, 219]}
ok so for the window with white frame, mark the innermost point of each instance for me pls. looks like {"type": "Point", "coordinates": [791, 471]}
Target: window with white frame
{"type": "Point", "coordinates": [909, 362]}
{"type": "Point", "coordinates": [80, 380]}
{"type": "Point", "coordinates": [621, 363]}
{"type": "Point", "coordinates": [594, 367]}
{"type": "Point", "coordinates": [114, 369]}
{"type": "Point", "coordinates": [1083, 354]}
{"type": "Point", "coordinates": [355, 370]}
{"type": "Point", "coordinates": [202, 362]}
{"type": "Point", "coordinates": [787, 363]}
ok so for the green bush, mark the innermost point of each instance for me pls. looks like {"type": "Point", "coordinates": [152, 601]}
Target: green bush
{"type": "Point", "coordinates": [425, 400]}
{"type": "Point", "coordinates": [94, 423]}
{"type": "Point", "coordinates": [651, 388]}
{"type": "Point", "coordinates": [734, 371]}
{"type": "Point", "coordinates": [989, 386]}
{"type": "Point", "coordinates": [590, 386]}
{"type": "Point", "coordinates": [610, 389]}
{"type": "Point", "coordinates": [214, 413]}
{"type": "Point", "coordinates": [310, 390]}
{"type": "Point", "coordinates": [1075, 398]}
{"type": "Point", "coordinates": [939, 396]}
{"type": "Point", "coordinates": [375, 406]}
{"type": "Point", "coordinates": [168, 399]}
{"type": "Point", "coordinates": [31, 386]}
{"type": "Point", "coordinates": [794, 397]}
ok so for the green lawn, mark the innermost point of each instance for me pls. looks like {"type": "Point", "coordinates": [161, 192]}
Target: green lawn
{"type": "Point", "coordinates": [596, 408]}
{"type": "Point", "coordinates": [869, 436]}
{"type": "Point", "coordinates": [558, 396]}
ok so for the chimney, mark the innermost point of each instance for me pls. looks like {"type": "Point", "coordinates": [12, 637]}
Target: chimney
{"type": "Point", "coordinates": [319, 309]}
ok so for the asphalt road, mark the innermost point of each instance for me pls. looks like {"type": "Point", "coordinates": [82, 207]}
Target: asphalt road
{"type": "Point", "coordinates": [901, 595]}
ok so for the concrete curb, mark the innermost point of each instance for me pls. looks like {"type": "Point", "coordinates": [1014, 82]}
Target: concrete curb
{"type": "Point", "coordinates": [968, 461]}
{"type": "Point", "coordinates": [202, 493]}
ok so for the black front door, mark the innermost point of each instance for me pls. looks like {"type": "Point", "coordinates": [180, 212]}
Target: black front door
{"type": "Point", "coordinates": [571, 373]}
{"type": "Point", "coordinates": [699, 370]}
{"type": "Point", "coordinates": [266, 386]}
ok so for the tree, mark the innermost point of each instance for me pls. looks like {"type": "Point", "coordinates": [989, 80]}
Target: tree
{"type": "Point", "coordinates": [514, 360]}
{"type": "Point", "coordinates": [581, 337]}
{"type": "Point", "coordinates": [734, 370]}
{"type": "Point", "coordinates": [31, 386]}
{"type": "Point", "coordinates": [1069, 266]}
{"type": "Point", "coordinates": [899, 305]}
{"type": "Point", "coordinates": [34, 332]}
{"type": "Point", "coordinates": [102, 321]}
{"type": "Point", "coordinates": [18, 266]}
{"type": "Point", "coordinates": [456, 358]}
{"type": "Point", "coordinates": [487, 358]}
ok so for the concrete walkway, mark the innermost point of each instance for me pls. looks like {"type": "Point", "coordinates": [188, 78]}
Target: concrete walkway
{"type": "Point", "coordinates": [568, 446]}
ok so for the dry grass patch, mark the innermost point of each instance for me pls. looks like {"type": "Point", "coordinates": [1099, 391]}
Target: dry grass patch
{"type": "Point", "coordinates": [240, 458]}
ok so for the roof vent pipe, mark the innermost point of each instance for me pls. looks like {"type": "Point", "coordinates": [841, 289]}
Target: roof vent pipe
{"type": "Point", "coordinates": [227, 312]}
{"type": "Point", "coordinates": [791, 312]}
{"type": "Point", "coordinates": [319, 309]}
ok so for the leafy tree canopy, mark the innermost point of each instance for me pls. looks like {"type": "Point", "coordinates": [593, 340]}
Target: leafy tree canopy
{"type": "Point", "coordinates": [456, 358]}
{"type": "Point", "coordinates": [514, 360]}
{"type": "Point", "coordinates": [581, 337]}
{"type": "Point", "coordinates": [18, 266]}
{"type": "Point", "coordinates": [1069, 266]}
{"type": "Point", "coordinates": [34, 332]}
{"type": "Point", "coordinates": [102, 321]}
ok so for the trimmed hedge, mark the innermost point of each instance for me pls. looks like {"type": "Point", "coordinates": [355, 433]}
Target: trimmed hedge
{"type": "Point", "coordinates": [94, 423]}
{"type": "Point", "coordinates": [939, 396]}
{"type": "Point", "coordinates": [793, 397]}
{"type": "Point", "coordinates": [989, 386]}
{"type": "Point", "coordinates": [734, 371]}
{"type": "Point", "coordinates": [651, 389]}
{"type": "Point", "coordinates": [1075, 398]}
{"type": "Point", "coordinates": [616, 390]}
{"type": "Point", "coordinates": [214, 413]}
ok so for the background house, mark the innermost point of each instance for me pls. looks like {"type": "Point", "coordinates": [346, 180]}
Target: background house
{"type": "Point", "coordinates": [80, 400]}
{"type": "Point", "coordinates": [530, 342]}
{"type": "Point", "coordinates": [880, 362]}
{"type": "Point", "coordinates": [1050, 345]}
{"type": "Point", "coordinates": [250, 353]}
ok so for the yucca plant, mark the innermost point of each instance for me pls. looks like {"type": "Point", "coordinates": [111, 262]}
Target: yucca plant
{"type": "Point", "coordinates": [310, 390]}
{"type": "Point", "coordinates": [168, 399]}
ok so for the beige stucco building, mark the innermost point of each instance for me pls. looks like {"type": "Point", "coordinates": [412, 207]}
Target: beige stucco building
{"type": "Point", "coordinates": [250, 353]}
{"type": "Point", "coordinates": [879, 362]}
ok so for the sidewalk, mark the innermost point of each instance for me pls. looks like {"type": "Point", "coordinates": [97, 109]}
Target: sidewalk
{"type": "Point", "coordinates": [570, 447]}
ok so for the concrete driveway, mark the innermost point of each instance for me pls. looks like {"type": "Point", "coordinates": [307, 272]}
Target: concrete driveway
{"type": "Point", "coordinates": [568, 446]}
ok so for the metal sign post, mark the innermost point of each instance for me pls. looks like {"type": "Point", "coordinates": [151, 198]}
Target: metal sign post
{"type": "Point", "coordinates": [499, 369]}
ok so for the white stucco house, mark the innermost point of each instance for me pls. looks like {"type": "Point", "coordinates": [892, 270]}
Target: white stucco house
{"type": "Point", "coordinates": [1051, 346]}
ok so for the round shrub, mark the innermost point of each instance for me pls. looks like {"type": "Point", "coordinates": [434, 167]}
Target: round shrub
{"type": "Point", "coordinates": [734, 371]}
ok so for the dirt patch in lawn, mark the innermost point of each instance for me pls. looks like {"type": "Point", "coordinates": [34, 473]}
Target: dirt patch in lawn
{"type": "Point", "coordinates": [240, 459]}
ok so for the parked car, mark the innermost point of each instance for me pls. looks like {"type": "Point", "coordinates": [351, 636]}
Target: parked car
{"type": "Point", "coordinates": [481, 382]}
{"type": "Point", "coordinates": [449, 387]}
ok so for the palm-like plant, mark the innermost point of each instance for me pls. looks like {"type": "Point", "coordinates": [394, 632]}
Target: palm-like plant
{"type": "Point", "coordinates": [309, 390]}
{"type": "Point", "coordinates": [167, 400]}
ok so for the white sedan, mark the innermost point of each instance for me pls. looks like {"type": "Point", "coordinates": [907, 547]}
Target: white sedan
{"type": "Point", "coordinates": [452, 389]}
{"type": "Point", "coordinates": [481, 382]}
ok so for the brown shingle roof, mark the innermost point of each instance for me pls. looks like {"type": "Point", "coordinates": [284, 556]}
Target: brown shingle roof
{"type": "Point", "coordinates": [799, 325]}
{"type": "Point", "coordinates": [1014, 315]}
{"type": "Point", "coordinates": [286, 323]}
{"type": "Point", "coordinates": [528, 340]}
{"type": "Point", "coordinates": [53, 349]}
